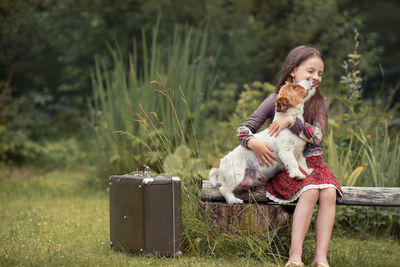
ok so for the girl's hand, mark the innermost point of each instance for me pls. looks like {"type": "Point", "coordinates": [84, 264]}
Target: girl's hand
{"type": "Point", "coordinates": [263, 152]}
{"type": "Point", "coordinates": [281, 123]}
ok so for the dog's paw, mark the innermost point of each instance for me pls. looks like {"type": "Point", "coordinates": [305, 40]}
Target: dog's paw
{"type": "Point", "coordinates": [235, 201]}
{"type": "Point", "coordinates": [308, 170]}
{"type": "Point", "coordinates": [297, 175]}
{"type": "Point", "coordinates": [299, 178]}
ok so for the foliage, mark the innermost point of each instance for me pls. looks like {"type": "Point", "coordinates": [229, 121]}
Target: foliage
{"type": "Point", "coordinates": [22, 121]}
{"type": "Point", "coordinates": [259, 34]}
{"type": "Point", "coordinates": [251, 98]}
{"type": "Point", "coordinates": [380, 221]}
{"type": "Point", "coordinates": [24, 126]}
{"type": "Point", "coordinates": [48, 48]}
{"type": "Point", "coordinates": [382, 154]}
{"type": "Point", "coordinates": [367, 160]}
{"type": "Point", "coordinates": [352, 81]}
{"type": "Point", "coordinates": [361, 151]}
{"type": "Point", "coordinates": [343, 165]}
{"type": "Point", "coordinates": [379, 22]}
{"type": "Point", "coordinates": [183, 164]}
{"type": "Point", "coordinates": [144, 109]}
{"type": "Point", "coordinates": [221, 103]}
{"type": "Point", "coordinates": [62, 153]}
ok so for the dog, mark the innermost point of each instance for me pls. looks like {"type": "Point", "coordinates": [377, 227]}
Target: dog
{"type": "Point", "coordinates": [240, 167]}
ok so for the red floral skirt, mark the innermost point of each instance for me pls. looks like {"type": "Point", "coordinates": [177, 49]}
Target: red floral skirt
{"type": "Point", "coordinates": [283, 189]}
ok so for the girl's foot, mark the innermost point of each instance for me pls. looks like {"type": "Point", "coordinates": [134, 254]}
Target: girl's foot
{"type": "Point", "coordinates": [319, 264]}
{"type": "Point", "coordinates": [294, 264]}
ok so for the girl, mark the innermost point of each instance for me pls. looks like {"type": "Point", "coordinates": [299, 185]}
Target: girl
{"type": "Point", "coordinates": [321, 185]}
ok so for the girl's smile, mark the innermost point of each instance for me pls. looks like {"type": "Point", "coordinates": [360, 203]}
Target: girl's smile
{"type": "Point", "coordinates": [312, 69]}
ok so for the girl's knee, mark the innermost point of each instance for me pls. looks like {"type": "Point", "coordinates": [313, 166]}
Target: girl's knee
{"type": "Point", "coordinates": [311, 195]}
{"type": "Point", "coordinates": [328, 195]}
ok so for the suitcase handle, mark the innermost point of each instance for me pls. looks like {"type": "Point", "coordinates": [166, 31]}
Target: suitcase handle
{"type": "Point", "coordinates": [142, 170]}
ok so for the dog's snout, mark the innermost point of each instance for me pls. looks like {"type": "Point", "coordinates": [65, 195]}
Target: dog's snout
{"type": "Point", "coordinates": [282, 105]}
{"type": "Point", "coordinates": [278, 107]}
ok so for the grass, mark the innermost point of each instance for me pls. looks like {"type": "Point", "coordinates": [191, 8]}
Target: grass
{"type": "Point", "coordinates": [345, 251]}
{"type": "Point", "coordinates": [52, 218]}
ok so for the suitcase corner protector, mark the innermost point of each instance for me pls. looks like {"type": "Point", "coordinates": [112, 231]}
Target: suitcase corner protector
{"type": "Point", "coordinates": [176, 179]}
{"type": "Point", "coordinates": [148, 180]}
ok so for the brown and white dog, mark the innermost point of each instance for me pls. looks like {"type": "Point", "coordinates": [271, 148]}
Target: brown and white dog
{"type": "Point", "coordinates": [241, 167]}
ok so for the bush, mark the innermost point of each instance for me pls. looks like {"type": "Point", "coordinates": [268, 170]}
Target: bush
{"type": "Point", "coordinates": [362, 221]}
{"type": "Point", "coordinates": [22, 123]}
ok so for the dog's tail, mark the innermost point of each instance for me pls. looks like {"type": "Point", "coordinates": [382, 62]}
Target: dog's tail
{"type": "Point", "coordinates": [213, 176]}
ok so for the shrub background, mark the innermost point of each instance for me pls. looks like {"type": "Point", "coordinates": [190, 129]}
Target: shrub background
{"type": "Point", "coordinates": [48, 50]}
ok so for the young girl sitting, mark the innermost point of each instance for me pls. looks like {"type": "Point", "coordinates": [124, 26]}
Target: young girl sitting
{"type": "Point", "coordinates": [321, 185]}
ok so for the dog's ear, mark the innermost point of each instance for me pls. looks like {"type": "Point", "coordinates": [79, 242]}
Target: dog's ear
{"type": "Point", "coordinates": [282, 104]}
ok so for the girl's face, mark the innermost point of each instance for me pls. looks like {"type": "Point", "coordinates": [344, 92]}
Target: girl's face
{"type": "Point", "coordinates": [311, 68]}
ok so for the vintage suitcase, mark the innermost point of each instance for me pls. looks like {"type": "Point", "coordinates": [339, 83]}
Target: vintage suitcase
{"type": "Point", "coordinates": [146, 214]}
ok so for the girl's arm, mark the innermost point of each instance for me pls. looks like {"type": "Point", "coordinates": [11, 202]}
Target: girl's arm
{"type": "Point", "coordinates": [313, 132]}
{"type": "Point", "coordinates": [256, 120]}
{"type": "Point", "coordinates": [261, 150]}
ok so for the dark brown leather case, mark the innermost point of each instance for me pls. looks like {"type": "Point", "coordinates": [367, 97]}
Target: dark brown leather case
{"type": "Point", "coordinates": [146, 214]}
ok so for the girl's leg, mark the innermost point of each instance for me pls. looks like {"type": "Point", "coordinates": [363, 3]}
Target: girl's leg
{"type": "Point", "coordinates": [324, 223]}
{"type": "Point", "coordinates": [301, 221]}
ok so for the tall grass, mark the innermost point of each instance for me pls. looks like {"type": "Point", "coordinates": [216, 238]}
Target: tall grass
{"type": "Point", "coordinates": [141, 89]}
{"type": "Point", "coordinates": [367, 159]}
{"type": "Point", "coordinates": [360, 151]}
{"type": "Point", "coordinates": [382, 153]}
{"type": "Point", "coordinates": [344, 162]}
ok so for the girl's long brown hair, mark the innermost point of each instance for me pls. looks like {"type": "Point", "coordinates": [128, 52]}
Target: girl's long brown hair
{"type": "Point", "coordinates": [316, 108]}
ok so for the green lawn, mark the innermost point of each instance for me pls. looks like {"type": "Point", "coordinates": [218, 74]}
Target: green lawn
{"type": "Point", "coordinates": [52, 219]}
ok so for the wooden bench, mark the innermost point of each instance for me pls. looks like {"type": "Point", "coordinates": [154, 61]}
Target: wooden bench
{"type": "Point", "coordinates": [266, 215]}
{"type": "Point", "coordinates": [356, 196]}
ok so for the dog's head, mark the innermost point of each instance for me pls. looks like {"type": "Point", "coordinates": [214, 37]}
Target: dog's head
{"type": "Point", "coordinates": [291, 95]}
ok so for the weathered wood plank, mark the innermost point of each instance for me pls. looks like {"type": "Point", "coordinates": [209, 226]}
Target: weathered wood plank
{"type": "Point", "coordinates": [370, 196]}
{"type": "Point", "coordinates": [357, 196]}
